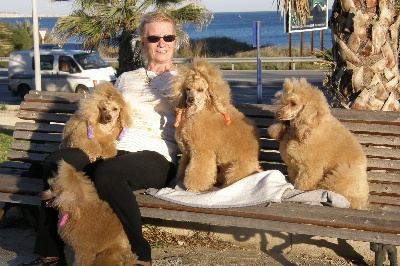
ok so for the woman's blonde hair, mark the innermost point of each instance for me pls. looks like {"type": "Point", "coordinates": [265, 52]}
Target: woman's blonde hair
{"type": "Point", "coordinates": [155, 16]}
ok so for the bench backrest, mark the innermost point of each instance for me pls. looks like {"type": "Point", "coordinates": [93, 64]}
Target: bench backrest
{"type": "Point", "coordinates": [377, 131]}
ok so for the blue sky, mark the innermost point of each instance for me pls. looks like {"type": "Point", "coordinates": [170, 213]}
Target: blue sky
{"type": "Point", "coordinates": [47, 7]}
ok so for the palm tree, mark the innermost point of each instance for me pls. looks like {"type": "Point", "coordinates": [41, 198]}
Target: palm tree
{"type": "Point", "coordinates": [113, 23]}
{"type": "Point", "coordinates": [365, 69]}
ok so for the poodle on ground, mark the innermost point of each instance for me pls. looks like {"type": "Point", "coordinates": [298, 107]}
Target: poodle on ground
{"type": "Point", "coordinates": [100, 121]}
{"type": "Point", "coordinates": [218, 143]}
{"type": "Point", "coordinates": [319, 151]}
{"type": "Point", "coordinates": [91, 230]}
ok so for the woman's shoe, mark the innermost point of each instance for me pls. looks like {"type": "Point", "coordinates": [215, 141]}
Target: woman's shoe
{"type": "Point", "coordinates": [45, 261]}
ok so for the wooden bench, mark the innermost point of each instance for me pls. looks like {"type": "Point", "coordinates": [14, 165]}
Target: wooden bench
{"type": "Point", "coordinates": [378, 132]}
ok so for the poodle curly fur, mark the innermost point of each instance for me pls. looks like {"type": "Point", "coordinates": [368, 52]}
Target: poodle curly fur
{"type": "Point", "coordinates": [106, 112]}
{"type": "Point", "coordinates": [213, 149]}
{"type": "Point", "coordinates": [319, 151]}
{"type": "Point", "coordinates": [91, 230]}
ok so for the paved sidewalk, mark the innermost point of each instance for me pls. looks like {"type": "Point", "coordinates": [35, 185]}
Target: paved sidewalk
{"type": "Point", "coordinates": [9, 117]}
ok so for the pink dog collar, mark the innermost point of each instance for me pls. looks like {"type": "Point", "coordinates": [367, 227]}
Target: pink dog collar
{"type": "Point", "coordinates": [63, 218]}
{"type": "Point", "coordinates": [89, 132]}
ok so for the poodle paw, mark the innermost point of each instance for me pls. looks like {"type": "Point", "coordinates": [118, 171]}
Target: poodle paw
{"type": "Point", "coordinates": [93, 153]}
{"type": "Point", "coordinates": [93, 157]}
{"type": "Point", "coordinates": [197, 187]}
{"type": "Point", "coordinates": [109, 153]}
{"type": "Point", "coordinates": [276, 131]}
{"type": "Point", "coordinates": [303, 133]}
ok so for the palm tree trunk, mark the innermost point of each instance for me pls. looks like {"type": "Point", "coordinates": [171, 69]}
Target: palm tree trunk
{"type": "Point", "coordinates": [365, 73]}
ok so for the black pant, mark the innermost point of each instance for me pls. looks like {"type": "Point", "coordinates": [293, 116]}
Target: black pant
{"type": "Point", "coordinates": [115, 179]}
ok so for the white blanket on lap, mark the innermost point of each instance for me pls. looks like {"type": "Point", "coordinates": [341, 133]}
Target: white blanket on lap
{"type": "Point", "coordinates": [259, 188]}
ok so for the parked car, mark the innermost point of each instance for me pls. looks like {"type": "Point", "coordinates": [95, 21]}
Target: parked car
{"type": "Point", "coordinates": [61, 70]}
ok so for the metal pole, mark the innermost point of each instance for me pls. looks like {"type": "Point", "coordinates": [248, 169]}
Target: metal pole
{"type": "Point", "coordinates": [312, 42]}
{"type": "Point", "coordinates": [36, 53]}
{"type": "Point", "coordinates": [321, 38]}
{"type": "Point", "coordinates": [290, 48]}
{"type": "Point", "coordinates": [257, 25]}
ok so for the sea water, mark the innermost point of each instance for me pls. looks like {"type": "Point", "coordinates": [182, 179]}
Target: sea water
{"type": "Point", "coordinates": [235, 25]}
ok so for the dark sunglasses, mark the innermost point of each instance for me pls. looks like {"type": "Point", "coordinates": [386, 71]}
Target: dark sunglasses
{"type": "Point", "coordinates": [166, 38]}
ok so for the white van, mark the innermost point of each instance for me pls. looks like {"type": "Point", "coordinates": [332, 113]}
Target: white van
{"type": "Point", "coordinates": [61, 70]}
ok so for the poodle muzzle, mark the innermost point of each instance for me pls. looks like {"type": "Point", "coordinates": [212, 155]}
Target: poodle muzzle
{"type": "Point", "coordinates": [106, 117]}
{"type": "Point", "coordinates": [48, 196]}
{"type": "Point", "coordinates": [190, 101]}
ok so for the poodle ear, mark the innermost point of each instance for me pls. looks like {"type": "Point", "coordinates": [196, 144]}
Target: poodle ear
{"type": "Point", "coordinates": [220, 95]}
{"type": "Point", "coordinates": [181, 100]}
{"type": "Point", "coordinates": [125, 115]}
{"type": "Point", "coordinates": [288, 85]}
{"type": "Point", "coordinates": [218, 89]}
{"type": "Point", "coordinates": [178, 89]}
{"type": "Point", "coordinates": [89, 110]}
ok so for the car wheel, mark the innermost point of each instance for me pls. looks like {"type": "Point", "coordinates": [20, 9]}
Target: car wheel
{"type": "Point", "coordinates": [23, 90]}
{"type": "Point", "coordinates": [82, 89]}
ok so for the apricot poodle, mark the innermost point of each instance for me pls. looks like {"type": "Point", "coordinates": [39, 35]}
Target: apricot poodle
{"type": "Point", "coordinates": [92, 232]}
{"type": "Point", "coordinates": [100, 121]}
{"type": "Point", "coordinates": [319, 151]}
{"type": "Point", "coordinates": [218, 143]}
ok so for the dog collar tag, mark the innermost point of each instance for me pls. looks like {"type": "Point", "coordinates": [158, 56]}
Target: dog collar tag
{"type": "Point", "coordinates": [89, 132]}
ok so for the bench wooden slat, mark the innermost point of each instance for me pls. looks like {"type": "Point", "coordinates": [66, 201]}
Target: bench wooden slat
{"type": "Point", "coordinates": [39, 127]}
{"type": "Point", "coordinates": [53, 97]}
{"type": "Point", "coordinates": [269, 144]}
{"type": "Point", "coordinates": [389, 188]}
{"type": "Point", "coordinates": [20, 185]}
{"type": "Point", "coordinates": [367, 116]}
{"type": "Point", "coordinates": [382, 153]}
{"type": "Point", "coordinates": [373, 129]}
{"type": "Point", "coordinates": [382, 164]}
{"type": "Point", "coordinates": [384, 203]}
{"type": "Point", "coordinates": [33, 147]}
{"type": "Point", "coordinates": [381, 206]}
{"type": "Point", "coordinates": [20, 199]}
{"type": "Point", "coordinates": [26, 157]}
{"type": "Point", "coordinates": [349, 115]}
{"type": "Point", "coordinates": [268, 147]}
{"type": "Point", "coordinates": [13, 171]}
{"type": "Point", "coordinates": [263, 123]}
{"type": "Point", "coordinates": [383, 177]}
{"type": "Point", "coordinates": [270, 156]}
{"type": "Point", "coordinates": [371, 140]}
{"type": "Point", "coordinates": [49, 107]}
{"type": "Point", "coordinates": [37, 136]}
{"type": "Point", "coordinates": [44, 117]}
{"type": "Point", "coordinates": [16, 165]}
{"type": "Point", "coordinates": [356, 128]}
